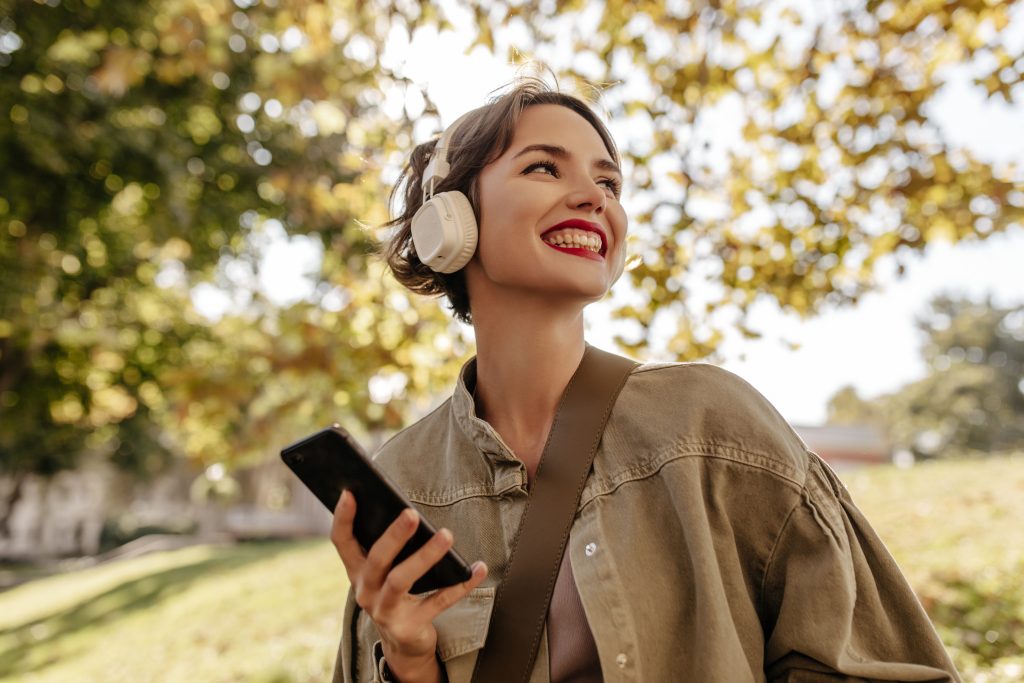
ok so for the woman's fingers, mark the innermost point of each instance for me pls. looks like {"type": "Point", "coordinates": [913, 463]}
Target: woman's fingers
{"type": "Point", "coordinates": [387, 547]}
{"type": "Point", "coordinates": [342, 536]}
{"type": "Point", "coordinates": [446, 597]}
{"type": "Point", "coordinates": [372, 575]}
{"type": "Point", "coordinates": [400, 579]}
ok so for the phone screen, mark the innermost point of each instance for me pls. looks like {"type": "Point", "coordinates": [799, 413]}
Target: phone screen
{"type": "Point", "coordinates": [331, 461]}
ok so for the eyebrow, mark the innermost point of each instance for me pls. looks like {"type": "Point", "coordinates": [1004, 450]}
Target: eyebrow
{"type": "Point", "coordinates": [563, 153]}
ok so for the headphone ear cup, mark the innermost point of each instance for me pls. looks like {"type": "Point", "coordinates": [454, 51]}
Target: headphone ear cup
{"type": "Point", "coordinates": [444, 232]}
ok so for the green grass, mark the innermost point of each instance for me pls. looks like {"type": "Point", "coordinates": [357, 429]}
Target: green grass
{"type": "Point", "coordinates": [254, 612]}
{"type": "Point", "coordinates": [957, 530]}
{"type": "Point", "coordinates": [271, 612]}
{"type": "Point", "coordinates": [966, 515]}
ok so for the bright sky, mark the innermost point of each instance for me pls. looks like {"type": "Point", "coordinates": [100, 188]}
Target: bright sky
{"type": "Point", "coordinates": [873, 347]}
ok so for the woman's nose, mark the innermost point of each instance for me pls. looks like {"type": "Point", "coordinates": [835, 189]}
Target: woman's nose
{"type": "Point", "coordinates": [588, 195]}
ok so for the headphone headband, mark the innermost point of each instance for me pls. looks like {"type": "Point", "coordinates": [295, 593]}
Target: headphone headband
{"type": "Point", "coordinates": [438, 168]}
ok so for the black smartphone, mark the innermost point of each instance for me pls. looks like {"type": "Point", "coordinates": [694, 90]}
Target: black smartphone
{"type": "Point", "coordinates": [331, 461]}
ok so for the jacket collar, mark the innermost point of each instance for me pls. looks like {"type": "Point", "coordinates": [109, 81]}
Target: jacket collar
{"type": "Point", "coordinates": [478, 431]}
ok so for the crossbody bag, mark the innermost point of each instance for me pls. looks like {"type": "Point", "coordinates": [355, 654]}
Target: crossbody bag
{"type": "Point", "coordinates": [521, 602]}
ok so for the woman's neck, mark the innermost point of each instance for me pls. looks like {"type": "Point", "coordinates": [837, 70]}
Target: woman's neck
{"type": "Point", "coordinates": [525, 359]}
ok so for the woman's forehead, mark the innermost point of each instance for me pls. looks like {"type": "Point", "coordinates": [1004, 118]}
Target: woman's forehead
{"type": "Point", "coordinates": [556, 125]}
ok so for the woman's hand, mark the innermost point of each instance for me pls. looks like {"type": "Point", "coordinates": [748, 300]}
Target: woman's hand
{"type": "Point", "coordinates": [404, 621]}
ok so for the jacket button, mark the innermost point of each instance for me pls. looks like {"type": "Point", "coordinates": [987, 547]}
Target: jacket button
{"type": "Point", "coordinates": [622, 660]}
{"type": "Point", "coordinates": [590, 549]}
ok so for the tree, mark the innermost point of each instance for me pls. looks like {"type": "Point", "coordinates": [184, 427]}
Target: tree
{"type": "Point", "coordinates": [972, 399]}
{"type": "Point", "coordinates": [156, 141]}
{"type": "Point", "coordinates": [840, 165]}
{"type": "Point", "coordinates": [153, 142]}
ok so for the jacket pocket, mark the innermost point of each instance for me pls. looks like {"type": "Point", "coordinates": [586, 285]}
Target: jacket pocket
{"type": "Point", "coordinates": [462, 631]}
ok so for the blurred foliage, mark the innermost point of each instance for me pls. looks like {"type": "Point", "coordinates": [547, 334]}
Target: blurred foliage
{"type": "Point", "coordinates": [155, 143]}
{"type": "Point", "coordinates": [984, 616]}
{"type": "Point", "coordinates": [839, 165]}
{"type": "Point", "coordinates": [972, 399]}
{"type": "Point", "coordinates": [158, 144]}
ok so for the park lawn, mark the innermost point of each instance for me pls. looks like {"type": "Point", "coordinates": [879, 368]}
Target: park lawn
{"type": "Point", "coordinates": [271, 612]}
{"type": "Point", "coordinates": [963, 516]}
{"type": "Point", "coordinates": [262, 612]}
{"type": "Point", "coordinates": [957, 530]}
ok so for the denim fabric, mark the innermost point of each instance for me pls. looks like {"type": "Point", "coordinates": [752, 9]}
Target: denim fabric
{"type": "Point", "coordinates": [709, 543]}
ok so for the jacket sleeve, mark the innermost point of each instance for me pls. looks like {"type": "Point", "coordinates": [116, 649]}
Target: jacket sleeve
{"type": "Point", "coordinates": [344, 664]}
{"type": "Point", "coordinates": [359, 658]}
{"type": "Point", "coordinates": [837, 607]}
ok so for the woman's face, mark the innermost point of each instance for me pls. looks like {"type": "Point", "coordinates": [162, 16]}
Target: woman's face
{"type": "Point", "coordinates": [550, 219]}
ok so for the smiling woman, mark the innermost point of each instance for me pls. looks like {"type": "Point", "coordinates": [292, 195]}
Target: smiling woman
{"type": "Point", "coordinates": [476, 141]}
{"type": "Point", "coordinates": [542, 206]}
{"type": "Point", "coordinates": [707, 544]}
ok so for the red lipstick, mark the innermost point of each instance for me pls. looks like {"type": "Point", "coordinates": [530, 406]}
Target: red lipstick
{"type": "Point", "coordinates": [580, 224]}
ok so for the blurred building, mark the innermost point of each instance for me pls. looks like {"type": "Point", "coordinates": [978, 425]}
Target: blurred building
{"type": "Point", "coordinates": [846, 447]}
{"type": "Point", "coordinates": [275, 504]}
{"type": "Point", "coordinates": [97, 511]}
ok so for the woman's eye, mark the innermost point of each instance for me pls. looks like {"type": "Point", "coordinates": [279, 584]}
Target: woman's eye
{"type": "Point", "coordinates": [611, 183]}
{"type": "Point", "coordinates": [547, 165]}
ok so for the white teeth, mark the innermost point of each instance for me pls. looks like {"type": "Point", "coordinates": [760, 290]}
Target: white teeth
{"type": "Point", "coordinates": [580, 239]}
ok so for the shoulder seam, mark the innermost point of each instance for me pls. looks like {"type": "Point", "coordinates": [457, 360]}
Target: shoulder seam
{"type": "Point", "coordinates": [694, 449]}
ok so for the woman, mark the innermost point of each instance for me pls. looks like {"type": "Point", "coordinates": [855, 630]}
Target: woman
{"type": "Point", "coordinates": [709, 544]}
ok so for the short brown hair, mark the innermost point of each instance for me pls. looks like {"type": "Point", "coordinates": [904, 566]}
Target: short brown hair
{"type": "Point", "coordinates": [482, 137]}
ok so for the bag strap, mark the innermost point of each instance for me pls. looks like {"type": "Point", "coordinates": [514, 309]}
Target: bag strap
{"type": "Point", "coordinates": [521, 603]}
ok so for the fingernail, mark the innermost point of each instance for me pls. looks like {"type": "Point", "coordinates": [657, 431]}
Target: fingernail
{"type": "Point", "coordinates": [410, 515]}
{"type": "Point", "coordinates": [445, 535]}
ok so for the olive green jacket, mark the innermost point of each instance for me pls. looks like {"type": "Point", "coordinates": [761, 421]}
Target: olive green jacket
{"type": "Point", "coordinates": [709, 544]}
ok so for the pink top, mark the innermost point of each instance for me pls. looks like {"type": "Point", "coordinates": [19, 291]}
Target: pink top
{"type": "Point", "coordinates": [571, 648]}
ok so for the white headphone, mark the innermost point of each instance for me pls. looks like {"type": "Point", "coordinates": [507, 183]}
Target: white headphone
{"type": "Point", "coordinates": [444, 230]}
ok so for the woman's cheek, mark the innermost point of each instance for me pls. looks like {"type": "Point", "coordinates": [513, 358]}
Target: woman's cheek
{"type": "Point", "coordinates": [620, 266]}
{"type": "Point", "coordinates": [620, 238]}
